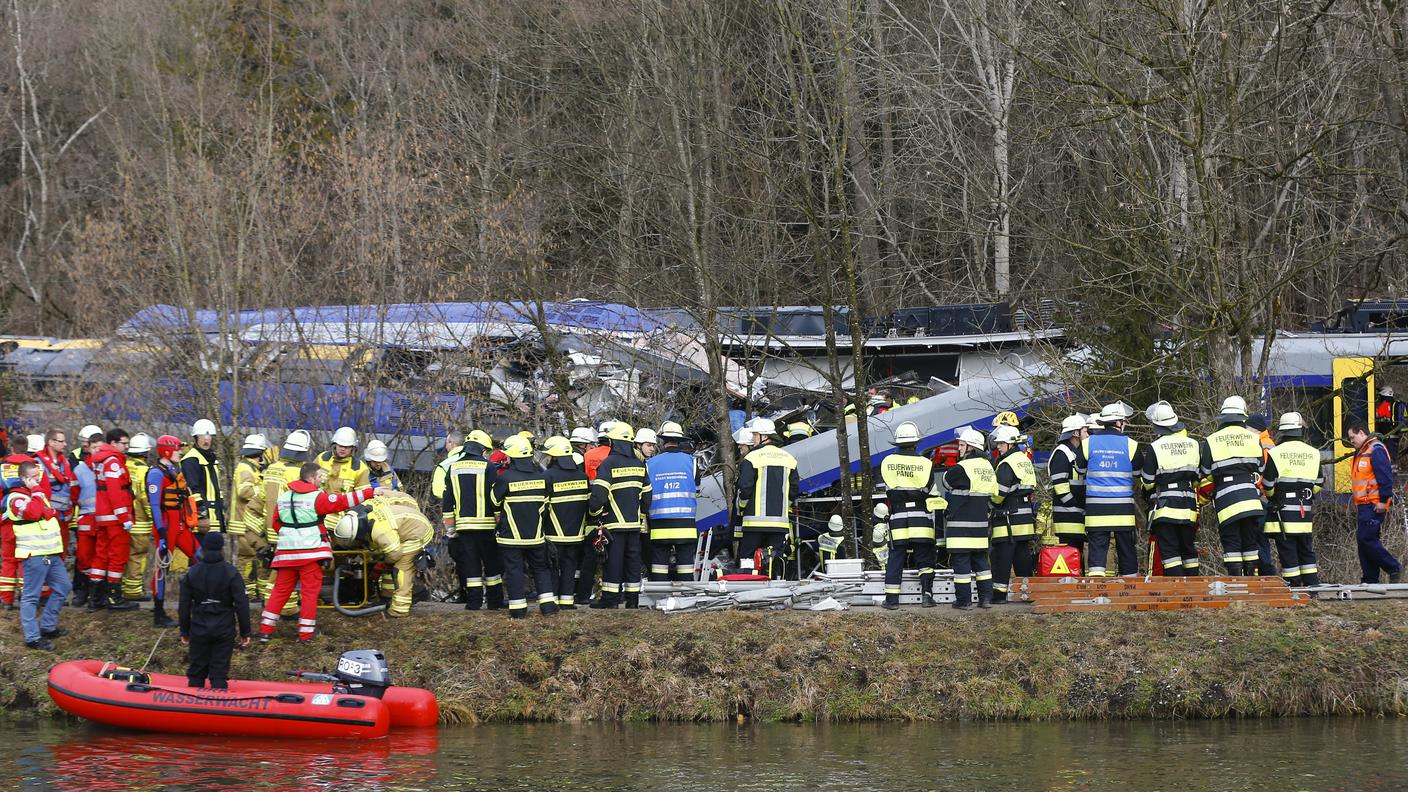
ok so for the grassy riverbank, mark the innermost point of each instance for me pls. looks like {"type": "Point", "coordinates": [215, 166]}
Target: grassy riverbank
{"type": "Point", "coordinates": [1325, 659]}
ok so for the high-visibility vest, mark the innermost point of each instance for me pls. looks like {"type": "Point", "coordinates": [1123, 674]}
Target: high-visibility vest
{"type": "Point", "coordinates": [520, 497]}
{"type": "Point", "coordinates": [299, 521]}
{"type": "Point", "coordinates": [1109, 481]}
{"type": "Point", "coordinates": [344, 475]}
{"type": "Point", "coordinates": [1174, 486]}
{"type": "Point", "coordinates": [209, 496]}
{"type": "Point", "coordinates": [674, 496]}
{"type": "Point", "coordinates": [1234, 452]}
{"type": "Point", "coordinates": [1012, 514]}
{"type": "Point", "coordinates": [1067, 491]}
{"type": "Point", "coordinates": [280, 473]}
{"type": "Point", "coordinates": [907, 478]}
{"type": "Point", "coordinates": [622, 478]}
{"type": "Point", "coordinates": [469, 482]}
{"type": "Point", "coordinates": [767, 507]}
{"type": "Point", "coordinates": [398, 526]}
{"type": "Point", "coordinates": [248, 511]}
{"type": "Point", "coordinates": [569, 492]}
{"type": "Point", "coordinates": [1366, 487]}
{"type": "Point", "coordinates": [966, 517]}
{"type": "Point", "coordinates": [32, 537]}
{"type": "Point", "coordinates": [141, 507]}
{"type": "Point", "coordinates": [1293, 491]}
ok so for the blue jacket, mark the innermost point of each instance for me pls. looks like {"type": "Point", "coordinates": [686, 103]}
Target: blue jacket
{"type": "Point", "coordinates": [1383, 472]}
{"type": "Point", "coordinates": [87, 488]}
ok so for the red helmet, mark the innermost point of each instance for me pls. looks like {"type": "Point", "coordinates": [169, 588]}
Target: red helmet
{"type": "Point", "coordinates": [166, 445]}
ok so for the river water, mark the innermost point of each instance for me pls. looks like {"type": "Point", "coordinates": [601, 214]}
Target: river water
{"type": "Point", "coordinates": [1305, 754]}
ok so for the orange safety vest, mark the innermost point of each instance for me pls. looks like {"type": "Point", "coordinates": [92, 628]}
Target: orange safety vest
{"type": "Point", "coordinates": [1366, 487]}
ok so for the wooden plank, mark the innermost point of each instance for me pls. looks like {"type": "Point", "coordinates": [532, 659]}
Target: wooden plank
{"type": "Point", "coordinates": [1184, 598]}
{"type": "Point", "coordinates": [1151, 606]}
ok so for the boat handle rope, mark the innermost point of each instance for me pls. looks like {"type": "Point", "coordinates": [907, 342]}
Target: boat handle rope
{"type": "Point", "coordinates": [282, 698]}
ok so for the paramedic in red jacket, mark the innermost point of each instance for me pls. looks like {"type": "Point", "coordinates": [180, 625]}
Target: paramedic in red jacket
{"type": "Point", "coordinates": [112, 521]}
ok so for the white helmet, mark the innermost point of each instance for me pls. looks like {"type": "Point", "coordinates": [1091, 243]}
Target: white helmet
{"type": "Point", "coordinates": [345, 436]}
{"type": "Point", "coordinates": [906, 433]}
{"type": "Point", "coordinates": [1234, 405]}
{"type": "Point", "coordinates": [1092, 421]}
{"type": "Point", "coordinates": [375, 451]}
{"type": "Point", "coordinates": [203, 428]}
{"type": "Point", "coordinates": [141, 443]}
{"type": "Point", "coordinates": [583, 435]}
{"type": "Point", "coordinates": [763, 426]}
{"type": "Point", "coordinates": [89, 432]}
{"type": "Point", "coordinates": [603, 429]}
{"type": "Point", "coordinates": [1161, 413]}
{"type": "Point", "coordinates": [1291, 422]}
{"type": "Point", "coordinates": [345, 531]}
{"type": "Point", "coordinates": [255, 442]}
{"type": "Point", "coordinates": [1072, 424]}
{"type": "Point", "coordinates": [671, 431]}
{"type": "Point", "coordinates": [972, 438]}
{"type": "Point", "coordinates": [647, 435]}
{"type": "Point", "coordinates": [35, 443]}
{"type": "Point", "coordinates": [1005, 434]}
{"type": "Point", "coordinates": [881, 511]}
{"type": "Point", "coordinates": [835, 524]}
{"type": "Point", "coordinates": [744, 436]}
{"type": "Point", "coordinates": [298, 441]}
{"type": "Point", "coordinates": [1386, 391]}
{"type": "Point", "coordinates": [1112, 413]}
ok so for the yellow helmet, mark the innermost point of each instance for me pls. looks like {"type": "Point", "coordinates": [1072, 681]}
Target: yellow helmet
{"type": "Point", "coordinates": [518, 447]}
{"type": "Point", "coordinates": [1008, 418]}
{"type": "Point", "coordinates": [481, 437]}
{"type": "Point", "coordinates": [527, 435]}
{"type": "Point", "coordinates": [620, 430]}
{"type": "Point", "coordinates": [557, 446]}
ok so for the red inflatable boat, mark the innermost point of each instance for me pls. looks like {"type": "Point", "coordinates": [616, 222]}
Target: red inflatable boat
{"type": "Point", "coordinates": [354, 703]}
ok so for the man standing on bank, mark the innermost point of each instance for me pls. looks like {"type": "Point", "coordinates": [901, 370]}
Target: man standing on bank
{"type": "Point", "coordinates": [1372, 476]}
{"type": "Point", "coordinates": [213, 599]}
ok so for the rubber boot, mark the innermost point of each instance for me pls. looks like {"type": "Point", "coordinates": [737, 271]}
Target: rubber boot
{"type": "Point", "coordinates": [606, 602]}
{"type": "Point", "coordinates": [548, 608]}
{"type": "Point", "coordinates": [1234, 569]}
{"type": "Point", "coordinates": [80, 591]}
{"type": "Point", "coordinates": [115, 600]}
{"type": "Point", "coordinates": [1310, 579]}
{"type": "Point", "coordinates": [518, 613]}
{"type": "Point", "coordinates": [984, 593]}
{"type": "Point", "coordinates": [159, 617]}
{"type": "Point", "coordinates": [963, 596]}
{"type": "Point", "coordinates": [927, 601]}
{"type": "Point", "coordinates": [97, 595]}
{"type": "Point", "coordinates": [892, 602]}
{"type": "Point", "coordinates": [632, 601]}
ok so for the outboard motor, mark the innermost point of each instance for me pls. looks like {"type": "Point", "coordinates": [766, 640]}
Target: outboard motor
{"type": "Point", "coordinates": [364, 672]}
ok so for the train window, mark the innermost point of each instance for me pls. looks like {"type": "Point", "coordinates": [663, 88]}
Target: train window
{"type": "Point", "coordinates": [1354, 395]}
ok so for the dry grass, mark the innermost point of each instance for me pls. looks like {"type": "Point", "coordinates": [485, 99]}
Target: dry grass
{"type": "Point", "coordinates": [1326, 659]}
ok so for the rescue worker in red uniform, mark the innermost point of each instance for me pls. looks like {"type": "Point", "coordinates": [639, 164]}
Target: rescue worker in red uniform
{"type": "Point", "coordinates": [167, 494]}
{"type": "Point", "coordinates": [113, 522]}
{"type": "Point", "coordinates": [303, 546]}
{"type": "Point", "coordinates": [63, 483]}
{"type": "Point", "coordinates": [9, 564]}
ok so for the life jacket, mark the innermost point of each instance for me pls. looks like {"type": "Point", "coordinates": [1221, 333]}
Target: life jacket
{"type": "Point", "coordinates": [176, 497]}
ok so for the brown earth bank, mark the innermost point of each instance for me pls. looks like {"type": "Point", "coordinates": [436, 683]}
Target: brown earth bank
{"type": "Point", "coordinates": [1006, 664]}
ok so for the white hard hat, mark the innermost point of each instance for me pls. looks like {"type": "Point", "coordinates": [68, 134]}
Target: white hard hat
{"type": "Point", "coordinates": [345, 436]}
{"type": "Point", "coordinates": [603, 429]}
{"type": "Point", "coordinates": [671, 430]}
{"type": "Point", "coordinates": [376, 451]}
{"type": "Point", "coordinates": [298, 440]}
{"type": "Point", "coordinates": [744, 436]}
{"type": "Point", "coordinates": [835, 524]}
{"type": "Point", "coordinates": [35, 443]}
{"type": "Point", "coordinates": [255, 442]}
{"type": "Point", "coordinates": [583, 435]}
{"type": "Point", "coordinates": [1290, 421]}
{"type": "Point", "coordinates": [1234, 405]}
{"type": "Point", "coordinates": [1386, 390]}
{"type": "Point", "coordinates": [647, 435]}
{"type": "Point", "coordinates": [1161, 413]}
{"type": "Point", "coordinates": [1072, 424]}
{"type": "Point", "coordinates": [906, 433]}
{"type": "Point", "coordinates": [1092, 420]}
{"type": "Point", "coordinates": [141, 443]}
{"type": "Point", "coordinates": [203, 428]}
{"type": "Point", "coordinates": [972, 438]}
{"type": "Point", "coordinates": [763, 426]}
{"type": "Point", "coordinates": [1112, 413]}
{"type": "Point", "coordinates": [346, 528]}
{"type": "Point", "coordinates": [1005, 434]}
{"type": "Point", "coordinates": [881, 510]}
{"type": "Point", "coordinates": [89, 432]}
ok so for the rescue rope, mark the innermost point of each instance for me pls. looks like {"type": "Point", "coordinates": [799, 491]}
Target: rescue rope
{"type": "Point", "coordinates": [160, 636]}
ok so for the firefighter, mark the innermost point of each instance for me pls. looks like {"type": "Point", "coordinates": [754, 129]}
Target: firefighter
{"type": "Point", "coordinates": [620, 501]}
{"type": "Point", "coordinates": [968, 489]}
{"type": "Point", "coordinates": [438, 477]}
{"type": "Point", "coordinates": [26, 513]}
{"type": "Point", "coordinates": [1067, 487]}
{"type": "Point", "coordinates": [1170, 478]}
{"type": "Point", "coordinates": [201, 467]}
{"type": "Point", "coordinates": [174, 517]}
{"type": "Point", "coordinates": [798, 431]}
{"type": "Point", "coordinates": [345, 471]}
{"type": "Point", "coordinates": [112, 521]}
{"type": "Point", "coordinates": [1372, 480]}
{"type": "Point", "coordinates": [1292, 477]}
{"type": "Point", "coordinates": [520, 495]}
{"type": "Point", "coordinates": [395, 530]}
{"type": "Point", "coordinates": [280, 473]}
{"type": "Point", "coordinates": [134, 576]}
{"type": "Point", "coordinates": [767, 487]}
{"type": "Point", "coordinates": [1232, 457]}
{"type": "Point", "coordinates": [213, 604]}
{"type": "Point", "coordinates": [1012, 515]}
{"type": "Point", "coordinates": [1107, 462]}
{"type": "Point", "coordinates": [582, 440]}
{"type": "Point", "coordinates": [674, 498]}
{"type": "Point", "coordinates": [303, 545]}
{"type": "Point", "coordinates": [568, 493]}
{"type": "Point", "coordinates": [468, 514]}
{"type": "Point", "coordinates": [908, 478]}
{"type": "Point", "coordinates": [247, 515]}
{"type": "Point", "coordinates": [86, 533]}
{"type": "Point", "coordinates": [379, 472]}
